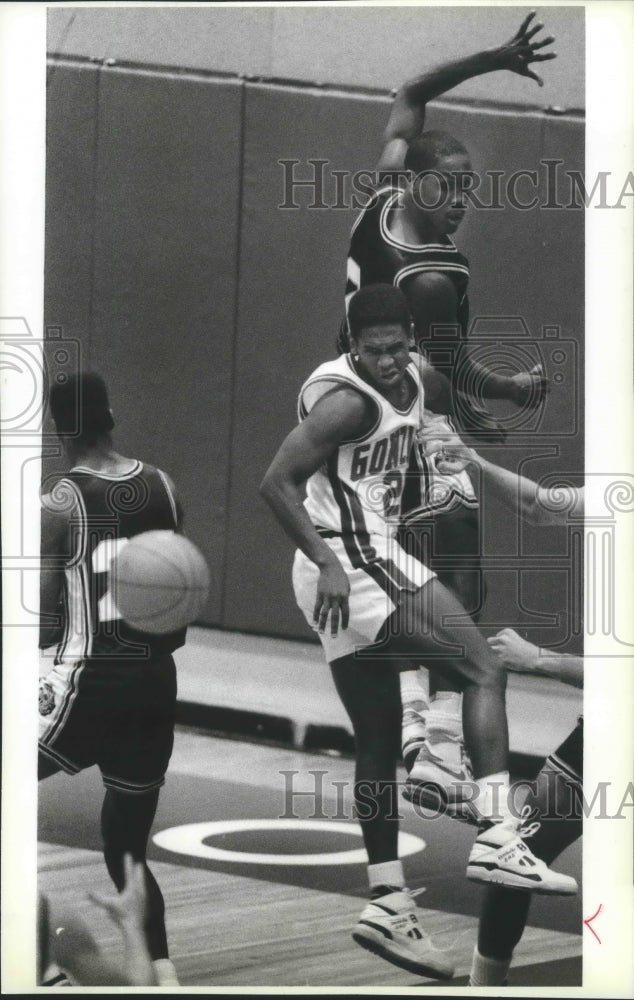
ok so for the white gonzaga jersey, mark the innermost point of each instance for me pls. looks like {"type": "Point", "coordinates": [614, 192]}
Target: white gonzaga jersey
{"type": "Point", "coordinates": [357, 492]}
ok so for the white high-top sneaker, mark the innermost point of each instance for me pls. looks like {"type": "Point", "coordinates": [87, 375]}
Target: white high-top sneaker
{"type": "Point", "coordinates": [500, 856]}
{"type": "Point", "coordinates": [390, 927]}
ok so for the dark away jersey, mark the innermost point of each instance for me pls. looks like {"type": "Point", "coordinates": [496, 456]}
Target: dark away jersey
{"type": "Point", "coordinates": [376, 255]}
{"type": "Point", "coordinates": [107, 511]}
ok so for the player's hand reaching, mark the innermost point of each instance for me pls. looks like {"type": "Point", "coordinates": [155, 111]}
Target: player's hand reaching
{"type": "Point", "coordinates": [130, 905]}
{"type": "Point", "coordinates": [518, 54]}
{"type": "Point", "coordinates": [449, 453]}
{"type": "Point", "coordinates": [515, 653]}
{"type": "Point", "coordinates": [333, 589]}
{"type": "Point", "coordinates": [530, 388]}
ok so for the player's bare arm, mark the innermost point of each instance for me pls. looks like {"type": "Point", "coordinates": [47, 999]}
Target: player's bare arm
{"type": "Point", "coordinates": [54, 547]}
{"type": "Point", "coordinates": [341, 414]}
{"type": "Point", "coordinates": [441, 398]}
{"type": "Point", "coordinates": [535, 503]}
{"type": "Point", "coordinates": [518, 493]}
{"type": "Point", "coordinates": [434, 303]}
{"type": "Point", "coordinates": [517, 654]}
{"type": "Point", "coordinates": [407, 117]}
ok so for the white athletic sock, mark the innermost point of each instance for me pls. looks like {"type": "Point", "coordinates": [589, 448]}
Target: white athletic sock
{"type": "Point", "coordinates": [449, 702]}
{"type": "Point", "coordinates": [165, 972]}
{"type": "Point", "coordinates": [488, 971]}
{"type": "Point", "coordinates": [388, 873]}
{"type": "Point", "coordinates": [444, 726]}
{"type": "Point", "coordinates": [415, 700]}
{"type": "Point", "coordinates": [415, 685]}
{"type": "Point", "coordinates": [422, 676]}
{"type": "Point", "coordinates": [492, 798]}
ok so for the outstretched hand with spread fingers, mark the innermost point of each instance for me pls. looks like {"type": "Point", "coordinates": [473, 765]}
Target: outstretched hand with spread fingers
{"type": "Point", "coordinates": [518, 54]}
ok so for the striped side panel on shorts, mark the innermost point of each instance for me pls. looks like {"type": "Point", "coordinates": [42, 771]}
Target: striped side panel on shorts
{"type": "Point", "coordinates": [356, 539]}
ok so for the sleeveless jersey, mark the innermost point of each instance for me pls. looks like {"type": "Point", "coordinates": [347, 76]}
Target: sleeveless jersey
{"type": "Point", "coordinates": [376, 255]}
{"type": "Point", "coordinates": [358, 490]}
{"type": "Point", "coordinates": [106, 511]}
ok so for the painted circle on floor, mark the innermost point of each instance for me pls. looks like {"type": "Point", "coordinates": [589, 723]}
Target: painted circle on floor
{"type": "Point", "coordinates": [192, 838]}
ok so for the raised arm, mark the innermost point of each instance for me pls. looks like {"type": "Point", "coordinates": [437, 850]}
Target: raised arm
{"type": "Point", "coordinates": [341, 414]}
{"type": "Point", "coordinates": [407, 117]}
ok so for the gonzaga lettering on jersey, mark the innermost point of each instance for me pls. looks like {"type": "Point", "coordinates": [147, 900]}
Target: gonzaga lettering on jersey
{"type": "Point", "coordinates": [107, 511]}
{"type": "Point", "coordinates": [358, 491]}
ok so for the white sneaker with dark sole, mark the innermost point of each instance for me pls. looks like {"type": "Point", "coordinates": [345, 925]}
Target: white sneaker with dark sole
{"type": "Point", "coordinates": [390, 927]}
{"type": "Point", "coordinates": [442, 787]}
{"type": "Point", "coordinates": [499, 856]}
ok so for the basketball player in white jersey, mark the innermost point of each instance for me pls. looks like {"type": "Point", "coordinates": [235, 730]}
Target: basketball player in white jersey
{"type": "Point", "coordinates": [404, 236]}
{"type": "Point", "coordinates": [371, 604]}
{"type": "Point", "coordinates": [110, 698]}
{"type": "Point", "coordinates": [553, 807]}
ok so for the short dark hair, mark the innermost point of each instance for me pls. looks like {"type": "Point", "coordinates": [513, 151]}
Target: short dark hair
{"type": "Point", "coordinates": [80, 407]}
{"type": "Point", "coordinates": [425, 151]}
{"type": "Point", "coordinates": [377, 304]}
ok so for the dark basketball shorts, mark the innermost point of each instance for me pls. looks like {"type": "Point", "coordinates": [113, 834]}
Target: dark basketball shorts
{"type": "Point", "coordinates": [116, 714]}
{"type": "Point", "coordinates": [454, 532]}
{"type": "Point", "coordinates": [450, 544]}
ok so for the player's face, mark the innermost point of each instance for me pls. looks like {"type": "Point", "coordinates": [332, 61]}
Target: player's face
{"type": "Point", "coordinates": [440, 193]}
{"type": "Point", "coordinates": [383, 353]}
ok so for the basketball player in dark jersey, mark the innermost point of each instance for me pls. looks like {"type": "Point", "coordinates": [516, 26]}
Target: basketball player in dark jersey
{"type": "Point", "coordinates": [110, 696]}
{"type": "Point", "coordinates": [403, 236]}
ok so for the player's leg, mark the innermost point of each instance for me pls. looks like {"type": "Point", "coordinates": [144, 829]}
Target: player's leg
{"type": "Point", "coordinates": [62, 747]}
{"type": "Point", "coordinates": [126, 820]}
{"type": "Point", "coordinates": [369, 692]}
{"type": "Point", "coordinates": [389, 924]}
{"type": "Point", "coordinates": [554, 817]}
{"type": "Point", "coordinates": [133, 759]}
{"type": "Point", "coordinates": [432, 624]}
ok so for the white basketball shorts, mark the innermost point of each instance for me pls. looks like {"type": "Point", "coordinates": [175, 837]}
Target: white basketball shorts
{"type": "Point", "coordinates": [378, 571]}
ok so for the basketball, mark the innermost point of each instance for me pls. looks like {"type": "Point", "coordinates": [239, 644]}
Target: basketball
{"type": "Point", "coordinates": [159, 582]}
